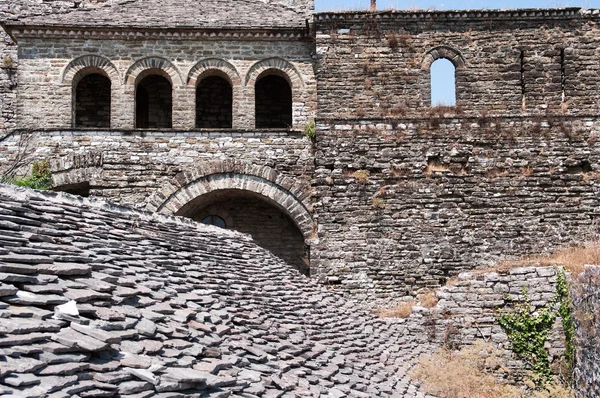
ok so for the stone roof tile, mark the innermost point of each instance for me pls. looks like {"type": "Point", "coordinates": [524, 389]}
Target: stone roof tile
{"type": "Point", "coordinates": [176, 14]}
{"type": "Point", "coordinates": [237, 325]}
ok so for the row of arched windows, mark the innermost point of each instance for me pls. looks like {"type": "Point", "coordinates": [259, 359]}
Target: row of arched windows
{"type": "Point", "coordinates": [154, 102]}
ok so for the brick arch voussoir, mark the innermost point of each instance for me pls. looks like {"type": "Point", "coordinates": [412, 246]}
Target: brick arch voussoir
{"type": "Point", "coordinates": [277, 64]}
{"type": "Point", "coordinates": [226, 175]}
{"type": "Point", "coordinates": [210, 65]}
{"type": "Point", "coordinates": [77, 169]}
{"type": "Point", "coordinates": [147, 63]}
{"type": "Point", "coordinates": [77, 66]}
{"type": "Point", "coordinates": [446, 52]}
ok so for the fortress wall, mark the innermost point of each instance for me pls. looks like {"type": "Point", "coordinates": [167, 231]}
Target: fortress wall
{"type": "Point", "coordinates": [130, 167]}
{"type": "Point", "coordinates": [45, 100]}
{"type": "Point", "coordinates": [403, 204]}
{"type": "Point", "coordinates": [377, 64]}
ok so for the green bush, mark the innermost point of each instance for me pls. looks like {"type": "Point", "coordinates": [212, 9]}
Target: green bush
{"type": "Point", "coordinates": [41, 177]}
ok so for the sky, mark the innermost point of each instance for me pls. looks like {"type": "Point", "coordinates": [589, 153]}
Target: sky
{"type": "Point", "coordinates": [442, 73]}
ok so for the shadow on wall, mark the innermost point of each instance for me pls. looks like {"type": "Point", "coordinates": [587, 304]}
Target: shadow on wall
{"type": "Point", "coordinates": [249, 213]}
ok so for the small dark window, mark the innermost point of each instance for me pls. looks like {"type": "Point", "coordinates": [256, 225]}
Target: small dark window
{"type": "Point", "coordinates": [273, 102]}
{"type": "Point", "coordinates": [214, 220]}
{"type": "Point", "coordinates": [214, 99]}
{"type": "Point", "coordinates": [154, 103]}
{"type": "Point", "coordinates": [443, 83]}
{"type": "Point", "coordinates": [92, 101]}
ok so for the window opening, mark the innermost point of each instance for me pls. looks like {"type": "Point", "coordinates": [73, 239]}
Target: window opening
{"type": "Point", "coordinates": [214, 220]}
{"type": "Point", "coordinates": [273, 102]}
{"type": "Point", "coordinates": [214, 100]}
{"type": "Point", "coordinates": [92, 101]}
{"type": "Point", "coordinates": [154, 103]}
{"type": "Point", "coordinates": [443, 83]}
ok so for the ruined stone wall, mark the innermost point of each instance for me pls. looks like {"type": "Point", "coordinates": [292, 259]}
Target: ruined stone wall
{"type": "Point", "coordinates": [407, 203]}
{"type": "Point", "coordinates": [377, 64]}
{"type": "Point", "coordinates": [47, 75]}
{"type": "Point", "coordinates": [469, 307]}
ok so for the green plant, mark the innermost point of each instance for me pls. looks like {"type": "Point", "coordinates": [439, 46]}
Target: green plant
{"type": "Point", "coordinates": [310, 130]}
{"type": "Point", "coordinates": [528, 330]}
{"type": "Point", "coordinates": [41, 177]}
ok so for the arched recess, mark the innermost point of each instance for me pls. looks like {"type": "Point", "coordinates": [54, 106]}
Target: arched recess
{"type": "Point", "coordinates": [441, 52]}
{"type": "Point", "coordinates": [99, 74]}
{"type": "Point", "coordinates": [139, 69]}
{"type": "Point", "coordinates": [211, 177]}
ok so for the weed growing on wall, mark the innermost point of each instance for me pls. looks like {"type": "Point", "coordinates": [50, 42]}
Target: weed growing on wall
{"type": "Point", "coordinates": [528, 330]}
{"type": "Point", "coordinates": [310, 130]}
{"type": "Point", "coordinates": [41, 177]}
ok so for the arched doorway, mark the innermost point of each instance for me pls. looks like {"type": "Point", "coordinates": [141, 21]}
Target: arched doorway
{"type": "Point", "coordinates": [253, 214]}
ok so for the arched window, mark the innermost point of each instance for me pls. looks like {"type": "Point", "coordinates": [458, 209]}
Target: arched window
{"type": "Point", "coordinates": [443, 83]}
{"type": "Point", "coordinates": [92, 101]}
{"type": "Point", "coordinates": [214, 100]}
{"type": "Point", "coordinates": [214, 220]}
{"type": "Point", "coordinates": [273, 102]}
{"type": "Point", "coordinates": [154, 103]}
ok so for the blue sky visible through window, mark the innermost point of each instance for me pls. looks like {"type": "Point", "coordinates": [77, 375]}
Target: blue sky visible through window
{"type": "Point", "coordinates": [442, 87]}
{"type": "Point", "coordinates": [443, 83]}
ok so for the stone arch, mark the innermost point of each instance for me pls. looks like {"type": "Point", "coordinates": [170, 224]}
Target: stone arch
{"type": "Point", "coordinates": [211, 66]}
{"type": "Point", "coordinates": [457, 60]}
{"type": "Point", "coordinates": [138, 69]}
{"type": "Point", "coordinates": [278, 66]}
{"type": "Point", "coordinates": [75, 169]}
{"type": "Point", "coordinates": [80, 66]}
{"type": "Point", "coordinates": [446, 52]}
{"type": "Point", "coordinates": [264, 181]}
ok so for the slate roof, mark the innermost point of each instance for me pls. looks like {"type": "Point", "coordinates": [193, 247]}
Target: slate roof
{"type": "Point", "coordinates": [101, 301]}
{"type": "Point", "coordinates": [169, 14]}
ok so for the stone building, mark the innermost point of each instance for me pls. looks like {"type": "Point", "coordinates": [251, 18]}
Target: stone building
{"type": "Point", "coordinates": [200, 110]}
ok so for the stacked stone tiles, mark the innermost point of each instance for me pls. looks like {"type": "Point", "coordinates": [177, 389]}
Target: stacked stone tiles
{"type": "Point", "coordinates": [102, 301]}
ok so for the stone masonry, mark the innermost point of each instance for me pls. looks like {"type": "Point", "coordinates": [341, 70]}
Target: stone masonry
{"type": "Point", "coordinates": [393, 196]}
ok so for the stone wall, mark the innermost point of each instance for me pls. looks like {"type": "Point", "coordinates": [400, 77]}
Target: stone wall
{"type": "Point", "coordinates": [469, 307]}
{"type": "Point", "coordinates": [13, 9]}
{"type": "Point", "coordinates": [133, 166]}
{"type": "Point", "coordinates": [507, 62]}
{"type": "Point", "coordinates": [403, 204]}
{"type": "Point", "coordinates": [586, 300]}
{"type": "Point", "coordinates": [50, 66]}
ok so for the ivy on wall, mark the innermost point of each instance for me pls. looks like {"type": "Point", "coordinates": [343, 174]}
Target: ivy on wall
{"type": "Point", "coordinates": [528, 330]}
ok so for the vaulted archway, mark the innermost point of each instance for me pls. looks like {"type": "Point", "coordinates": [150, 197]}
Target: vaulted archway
{"type": "Point", "coordinates": [252, 199]}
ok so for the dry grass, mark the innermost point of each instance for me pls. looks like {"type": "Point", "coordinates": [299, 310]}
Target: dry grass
{"type": "Point", "coordinates": [361, 176]}
{"type": "Point", "coordinates": [572, 258]}
{"type": "Point", "coordinates": [464, 373]}
{"type": "Point", "coordinates": [428, 299]}
{"type": "Point", "coordinates": [470, 373]}
{"type": "Point", "coordinates": [378, 203]}
{"type": "Point", "coordinates": [402, 310]}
